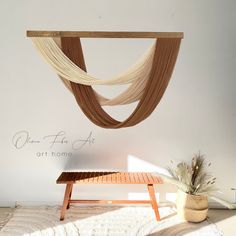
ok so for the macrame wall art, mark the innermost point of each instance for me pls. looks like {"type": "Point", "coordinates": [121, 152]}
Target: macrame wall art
{"type": "Point", "coordinates": [148, 77]}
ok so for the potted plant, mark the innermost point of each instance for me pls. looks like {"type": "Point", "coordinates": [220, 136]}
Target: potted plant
{"type": "Point", "coordinates": [195, 185]}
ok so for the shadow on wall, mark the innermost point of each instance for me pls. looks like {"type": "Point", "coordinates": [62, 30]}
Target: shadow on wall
{"type": "Point", "coordinates": [166, 192]}
{"type": "Point", "coordinates": [92, 162]}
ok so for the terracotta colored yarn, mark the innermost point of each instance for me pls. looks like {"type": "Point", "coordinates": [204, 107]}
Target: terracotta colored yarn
{"type": "Point", "coordinates": [165, 56]}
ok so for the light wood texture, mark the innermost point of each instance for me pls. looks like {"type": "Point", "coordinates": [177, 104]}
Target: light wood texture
{"type": "Point", "coordinates": [70, 178]}
{"type": "Point", "coordinates": [68, 204]}
{"type": "Point", "coordinates": [153, 200]}
{"type": "Point", "coordinates": [66, 200]}
{"type": "Point", "coordinates": [108, 178]}
{"type": "Point", "coordinates": [110, 201]}
{"type": "Point", "coordinates": [103, 34]}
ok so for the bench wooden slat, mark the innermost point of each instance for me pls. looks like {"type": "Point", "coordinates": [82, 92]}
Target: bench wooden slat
{"type": "Point", "coordinates": [108, 178]}
{"type": "Point", "coordinates": [132, 180]}
{"type": "Point", "coordinates": [84, 175]}
{"type": "Point", "coordinates": [100, 177]}
{"type": "Point", "coordinates": [113, 178]}
{"type": "Point", "coordinates": [153, 178]}
{"type": "Point", "coordinates": [103, 177]}
{"type": "Point", "coordinates": [145, 178]}
{"type": "Point", "coordinates": [90, 177]}
{"type": "Point", "coordinates": [127, 177]}
{"type": "Point", "coordinates": [140, 180]}
{"type": "Point", "coordinates": [136, 178]}
{"type": "Point", "coordinates": [119, 180]}
{"type": "Point", "coordinates": [79, 176]}
{"type": "Point", "coordinates": [123, 178]}
{"type": "Point", "coordinates": [149, 178]}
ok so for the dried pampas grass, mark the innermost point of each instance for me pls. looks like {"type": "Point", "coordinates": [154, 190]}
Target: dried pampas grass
{"type": "Point", "coordinates": [195, 175]}
{"type": "Point", "coordinates": [194, 178]}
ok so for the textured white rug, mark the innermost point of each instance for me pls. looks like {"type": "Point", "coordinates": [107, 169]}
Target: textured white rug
{"type": "Point", "coordinates": [102, 221]}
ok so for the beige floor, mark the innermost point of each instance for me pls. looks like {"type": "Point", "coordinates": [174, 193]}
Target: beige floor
{"type": "Point", "coordinates": [224, 219]}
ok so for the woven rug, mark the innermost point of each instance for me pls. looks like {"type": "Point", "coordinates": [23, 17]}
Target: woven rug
{"type": "Point", "coordinates": [102, 221]}
{"type": "Point", "coordinates": [5, 215]}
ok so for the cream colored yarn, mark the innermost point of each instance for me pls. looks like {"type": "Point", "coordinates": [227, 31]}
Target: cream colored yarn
{"type": "Point", "coordinates": [68, 70]}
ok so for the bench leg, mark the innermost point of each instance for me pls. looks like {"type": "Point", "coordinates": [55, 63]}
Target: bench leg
{"type": "Point", "coordinates": [66, 200]}
{"type": "Point", "coordinates": [154, 201]}
{"type": "Point", "coordinates": [68, 205]}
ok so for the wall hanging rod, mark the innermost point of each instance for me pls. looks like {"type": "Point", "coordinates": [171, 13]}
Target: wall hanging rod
{"type": "Point", "coordinates": [103, 34]}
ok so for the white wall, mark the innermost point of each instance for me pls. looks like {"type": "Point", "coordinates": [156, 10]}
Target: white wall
{"type": "Point", "coordinates": [197, 112]}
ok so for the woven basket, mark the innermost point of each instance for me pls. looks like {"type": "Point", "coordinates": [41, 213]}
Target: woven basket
{"type": "Point", "coordinates": [192, 208]}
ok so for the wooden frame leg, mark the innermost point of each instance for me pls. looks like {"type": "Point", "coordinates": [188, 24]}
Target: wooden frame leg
{"type": "Point", "coordinates": [66, 200]}
{"type": "Point", "coordinates": [68, 205]}
{"type": "Point", "coordinates": [154, 201]}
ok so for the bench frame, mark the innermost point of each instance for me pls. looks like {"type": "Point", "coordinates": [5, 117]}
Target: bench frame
{"type": "Point", "coordinates": [69, 188]}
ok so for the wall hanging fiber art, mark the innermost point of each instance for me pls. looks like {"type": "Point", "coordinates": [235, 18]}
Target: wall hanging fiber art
{"type": "Point", "coordinates": [148, 77]}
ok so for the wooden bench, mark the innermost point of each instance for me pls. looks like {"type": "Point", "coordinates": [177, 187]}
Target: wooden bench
{"type": "Point", "coordinates": [70, 178]}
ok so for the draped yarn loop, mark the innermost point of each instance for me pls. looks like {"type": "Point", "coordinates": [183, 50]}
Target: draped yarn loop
{"type": "Point", "coordinates": [166, 51]}
{"type": "Point", "coordinates": [149, 78]}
